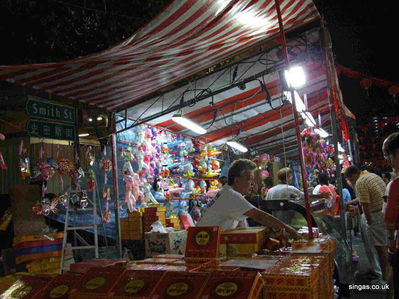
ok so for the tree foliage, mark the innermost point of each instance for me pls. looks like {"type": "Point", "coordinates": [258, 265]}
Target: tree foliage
{"type": "Point", "coordinates": [35, 31]}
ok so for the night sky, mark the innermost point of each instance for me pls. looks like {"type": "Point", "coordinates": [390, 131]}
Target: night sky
{"type": "Point", "coordinates": [363, 38]}
{"type": "Point", "coordinates": [363, 35]}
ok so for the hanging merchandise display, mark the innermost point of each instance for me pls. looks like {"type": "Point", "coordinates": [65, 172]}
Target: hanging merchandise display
{"type": "Point", "coordinates": [162, 167]}
{"type": "Point", "coordinates": [24, 162]}
{"type": "Point", "coordinates": [106, 167]}
{"type": "Point", "coordinates": [318, 154]}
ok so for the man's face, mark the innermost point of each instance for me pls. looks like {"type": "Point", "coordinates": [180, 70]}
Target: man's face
{"type": "Point", "coordinates": [393, 159]}
{"type": "Point", "coordinates": [354, 178]}
{"type": "Point", "coordinates": [244, 183]}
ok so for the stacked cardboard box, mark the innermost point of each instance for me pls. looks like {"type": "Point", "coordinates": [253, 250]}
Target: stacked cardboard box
{"type": "Point", "coordinates": [59, 286]}
{"type": "Point", "coordinates": [165, 243]}
{"type": "Point", "coordinates": [203, 244]}
{"type": "Point", "coordinates": [181, 285]}
{"type": "Point", "coordinates": [153, 214]}
{"type": "Point", "coordinates": [242, 242]}
{"type": "Point", "coordinates": [173, 222]}
{"type": "Point", "coordinates": [233, 284]}
{"type": "Point", "coordinates": [34, 247]}
{"type": "Point", "coordinates": [95, 283]}
{"type": "Point", "coordinates": [132, 226]}
{"type": "Point", "coordinates": [323, 246]}
{"type": "Point", "coordinates": [290, 278]}
{"type": "Point", "coordinates": [25, 287]}
{"type": "Point", "coordinates": [49, 265]}
{"type": "Point", "coordinates": [136, 284]}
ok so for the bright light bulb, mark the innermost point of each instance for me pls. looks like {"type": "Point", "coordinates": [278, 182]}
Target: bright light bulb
{"type": "Point", "coordinates": [185, 122]}
{"type": "Point", "coordinates": [295, 77]}
{"type": "Point", "coordinates": [84, 135]}
{"type": "Point", "coordinates": [90, 119]}
{"type": "Point", "coordinates": [99, 118]}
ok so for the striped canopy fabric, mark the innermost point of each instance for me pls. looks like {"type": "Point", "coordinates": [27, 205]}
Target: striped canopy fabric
{"type": "Point", "coordinates": [189, 36]}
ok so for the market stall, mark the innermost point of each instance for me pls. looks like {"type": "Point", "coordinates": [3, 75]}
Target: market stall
{"type": "Point", "coordinates": [227, 75]}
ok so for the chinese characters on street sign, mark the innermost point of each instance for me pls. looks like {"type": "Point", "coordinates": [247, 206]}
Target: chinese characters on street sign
{"type": "Point", "coordinates": [44, 129]}
{"type": "Point", "coordinates": [48, 111]}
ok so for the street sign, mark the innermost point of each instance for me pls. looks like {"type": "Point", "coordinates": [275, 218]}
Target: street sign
{"type": "Point", "coordinates": [37, 108]}
{"type": "Point", "coordinates": [44, 129]}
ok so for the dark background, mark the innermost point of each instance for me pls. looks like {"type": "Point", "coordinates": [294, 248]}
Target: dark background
{"type": "Point", "coordinates": [362, 31]}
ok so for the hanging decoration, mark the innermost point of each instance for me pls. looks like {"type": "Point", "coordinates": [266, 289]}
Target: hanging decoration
{"type": "Point", "coordinates": [3, 164]}
{"type": "Point", "coordinates": [317, 154]}
{"type": "Point", "coordinates": [24, 163]}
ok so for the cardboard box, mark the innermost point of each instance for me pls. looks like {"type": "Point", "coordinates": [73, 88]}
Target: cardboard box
{"type": "Point", "coordinates": [95, 283]}
{"type": "Point", "coordinates": [233, 284]}
{"type": "Point", "coordinates": [242, 242]}
{"type": "Point", "coordinates": [290, 273]}
{"type": "Point", "coordinates": [157, 260]}
{"type": "Point", "coordinates": [291, 294]}
{"type": "Point", "coordinates": [59, 287]}
{"type": "Point", "coordinates": [169, 243]}
{"type": "Point", "coordinates": [202, 243]}
{"type": "Point", "coordinates": [136, 284]}
{"type": "Point", "coordinates": [25, 287]}
{"type": "Point", "coordinates": [181, 285]}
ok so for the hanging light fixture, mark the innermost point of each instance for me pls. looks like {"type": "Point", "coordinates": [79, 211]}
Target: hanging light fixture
{"type": "Point", "coordinates": [185, 122]}
{"type": "Point", "coordinates": [236, 145]}
{"type": "Point", "coordinates": [309, 120]}
{"type": "Point", "coordinates": [300, 106]}
{"type": "Point", "coordinates": [321, 132]}
{"type": "Point", "coordinates": [295, 77]}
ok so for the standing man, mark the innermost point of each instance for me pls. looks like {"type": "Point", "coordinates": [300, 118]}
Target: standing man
{"type": "Point", "coordinates": [229, 208]}
{"type": "Point", "coordinates": [390, 149]}
{"type": "Point", "coordinates": [370, 189]}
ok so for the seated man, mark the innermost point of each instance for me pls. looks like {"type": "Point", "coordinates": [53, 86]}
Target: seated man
{"type": "Point", "coordinates": [229, 207]}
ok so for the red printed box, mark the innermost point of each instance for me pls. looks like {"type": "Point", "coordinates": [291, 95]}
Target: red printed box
{"type": "Point", "coordinates": [136, 284]}
{"type": "Point", "coordinates": [59, 287]}
{"type": "Point", "coordinates": [182, 285]}
{"type": "Point", "coordinates": [25, 287]}
{"type": "Point", "coordinates": [203, 242]}
{"type": "Point", "coordinates": [95, 283]}
{"type": "Point", "coordinates": [233, 284]}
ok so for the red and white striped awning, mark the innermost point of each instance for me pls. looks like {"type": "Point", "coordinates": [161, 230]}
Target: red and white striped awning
{"type": "Point", "coordinates": [189, 36]}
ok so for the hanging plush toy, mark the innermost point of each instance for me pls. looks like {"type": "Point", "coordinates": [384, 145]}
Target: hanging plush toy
{"type": "Point", "coordinates": [148, 194]}
{"type": "Point", "coordinates": [129, 197]}
{"type": "Point", "coordinates": [107, 214]}
{"type": "Point", "coordinates": [90, 180]}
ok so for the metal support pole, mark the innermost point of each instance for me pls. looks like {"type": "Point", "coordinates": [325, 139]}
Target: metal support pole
{"type": "Point", "coordinates": [335, 131]}
{"type": "Point", "coordinates": [116, 190]}
{"type": "Point", "coordinates": [298, 134]}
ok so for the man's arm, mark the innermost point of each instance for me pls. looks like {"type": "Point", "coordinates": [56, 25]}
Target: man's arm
{"type": "Point", "coordinates": [367, 213]}
{"type": "Point", "coordinates": [270, 221]}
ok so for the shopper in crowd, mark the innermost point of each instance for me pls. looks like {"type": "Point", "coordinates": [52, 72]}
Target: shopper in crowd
{"type": "Point", "coordinates": [266, 185]}
{"type": "Point", "coordinates": [390, 149]}
{"type": "Point", "coordinates": [324, 186]}
{"type": "Point", "coordinates": [284, 189]}
{"type": "Point", "coordinates": [386, 176]}
{"type": "Point", "coordinates": [370, 189]}
{"type": "Point", "coordinates": [230, 207]}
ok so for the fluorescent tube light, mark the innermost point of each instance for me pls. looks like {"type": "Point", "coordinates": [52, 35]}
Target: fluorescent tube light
{"type": "Point", "coordinates": [321, 132]}
{"type": "Point", "coordinates": [84, 135]}
{"type": "Point", "coordinates": [237, 146]}
{"type": "Point", "coordinates": [309, 120]}
{"type": "Point", "coordinates": [185, 122]}
{"type": "Point", "coordinates": [300, 106]}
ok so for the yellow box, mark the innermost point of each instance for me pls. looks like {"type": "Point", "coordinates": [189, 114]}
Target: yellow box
{"type": "Point", "coordinates": [270, 293]}
{"type": "Point", "coordinates": [291, 273]}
